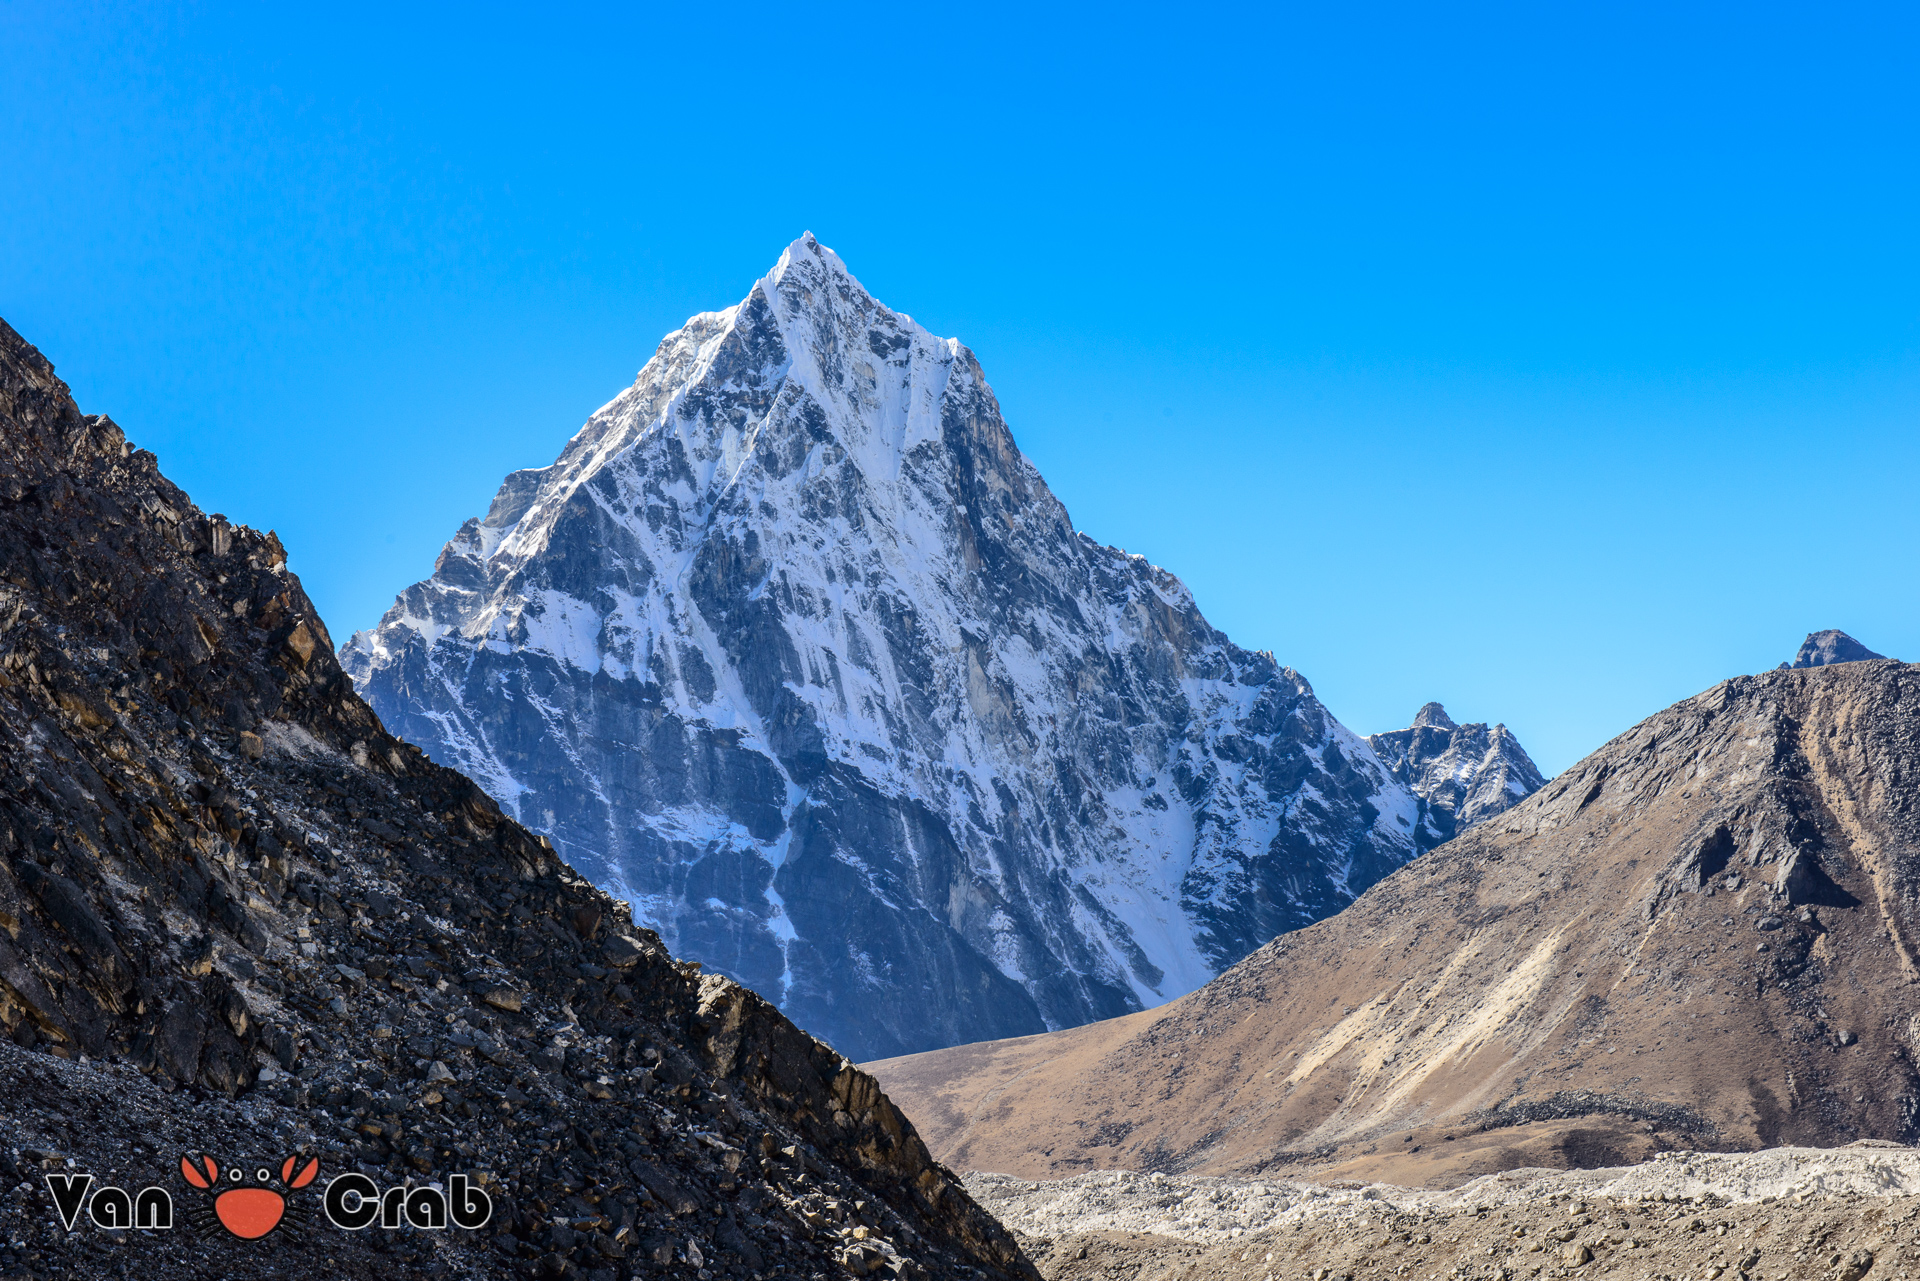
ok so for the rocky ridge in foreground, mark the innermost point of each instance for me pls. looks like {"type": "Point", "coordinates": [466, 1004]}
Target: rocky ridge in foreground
{"type": "Point", "coordinates": [235, 913]}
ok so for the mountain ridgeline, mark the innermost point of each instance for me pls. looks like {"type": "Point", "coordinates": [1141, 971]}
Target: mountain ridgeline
{"type": "Point", "coordinates": [793, 649]}
{"type": "Point", "coordinates": [1704, 935]}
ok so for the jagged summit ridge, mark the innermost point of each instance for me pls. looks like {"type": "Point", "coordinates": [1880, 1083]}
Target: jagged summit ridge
{"type": "Point", "coordinates": [793, 646]}
{"type": "Point", "coordinates": [1830, 646]}
{"type": "Point", "coordinates": [1462, 774]}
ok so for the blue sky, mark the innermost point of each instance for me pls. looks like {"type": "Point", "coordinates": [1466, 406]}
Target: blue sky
{"type": "Point", "coordinates": [1552, 361]}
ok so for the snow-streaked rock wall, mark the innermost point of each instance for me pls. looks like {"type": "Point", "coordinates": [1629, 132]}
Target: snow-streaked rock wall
{"type": "Point", "coordinates": [1462, 774]}
{"type": "Point", "coordinates": [793, 648]}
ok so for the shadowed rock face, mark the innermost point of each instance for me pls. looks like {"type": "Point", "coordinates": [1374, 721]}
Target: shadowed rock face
{"type": "Point", "coordinates": [1462, 774]}
{"type": "Point", "coordinates": [794, 648]}
{"type": "Point", "coordinates": [226, 885]}
{"type": "Point", "coordinates": [1830, 646]}
{"type": "Point", "coordinates": [1703, 936]}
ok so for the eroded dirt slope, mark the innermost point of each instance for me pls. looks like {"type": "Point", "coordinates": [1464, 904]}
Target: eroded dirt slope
{"type": "Point", "coordinates": [1701, 936]}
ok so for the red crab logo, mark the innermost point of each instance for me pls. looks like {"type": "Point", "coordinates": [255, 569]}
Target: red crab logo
{"type": "Point", "coordinates": [247, 1207]}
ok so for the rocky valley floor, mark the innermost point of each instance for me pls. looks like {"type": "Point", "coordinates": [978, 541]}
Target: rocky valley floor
{"type": "Point", "coordinates": [1835, 1214]}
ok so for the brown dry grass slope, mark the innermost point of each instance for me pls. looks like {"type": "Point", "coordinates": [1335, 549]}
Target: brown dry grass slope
{"type": "Point", "coordinates": [1702, 936]}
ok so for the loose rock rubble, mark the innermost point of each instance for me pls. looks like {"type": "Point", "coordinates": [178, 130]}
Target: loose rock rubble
{"type": "Point", "coordinates": [237, 917]}
{"type": "Point", "coordinates": [1839, 1215]}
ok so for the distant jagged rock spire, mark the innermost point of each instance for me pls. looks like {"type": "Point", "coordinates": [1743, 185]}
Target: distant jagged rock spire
{"type": "Point", "coordinates": [1462, 774]}
{"type": "Point", "coordinates": [1831, 646]}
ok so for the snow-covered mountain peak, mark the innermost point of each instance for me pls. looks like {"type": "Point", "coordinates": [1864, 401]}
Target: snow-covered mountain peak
{"type": "Point", "coordinates": [809, 337]}
{"type": "Point", "coordinates": [794, 646]}
{"type": "Point", "coordinates": [807, 252]}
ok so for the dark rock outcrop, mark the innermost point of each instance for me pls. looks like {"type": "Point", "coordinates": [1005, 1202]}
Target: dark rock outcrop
{"type": "Point", "coordinates": [1462, 774]}
{"type": "Point", "coordinates": [236, 914]}
{"type": "Point", "coordinates": [1830, 646]}
{"type": "Point", "coordinates": [793, 648]}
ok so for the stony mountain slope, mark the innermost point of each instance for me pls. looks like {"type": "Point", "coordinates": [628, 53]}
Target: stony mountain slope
{"type": "Point", "coordinates": [793, 648]}
{"type": "Point", "coordinates": [1462, 774]}
{"type": "Point", "coordinates": [1702, 936]}
{"type": "Point", "coordinates": [237, 914]}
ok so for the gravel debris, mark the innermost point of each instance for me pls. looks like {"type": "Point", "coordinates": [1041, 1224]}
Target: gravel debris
{"type": "Point", "coordinates": [1836, 1214]}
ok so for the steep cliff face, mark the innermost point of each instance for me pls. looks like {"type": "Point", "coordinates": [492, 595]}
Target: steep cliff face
{"type": "Point", "coordinates": [236, 915]}
{"type": "Point", "coordinates": [1703, 935]}
{"type": "Point", "coordinates": [1462, 774]}
{"type": "Point", "coordinates": [793, 648]}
